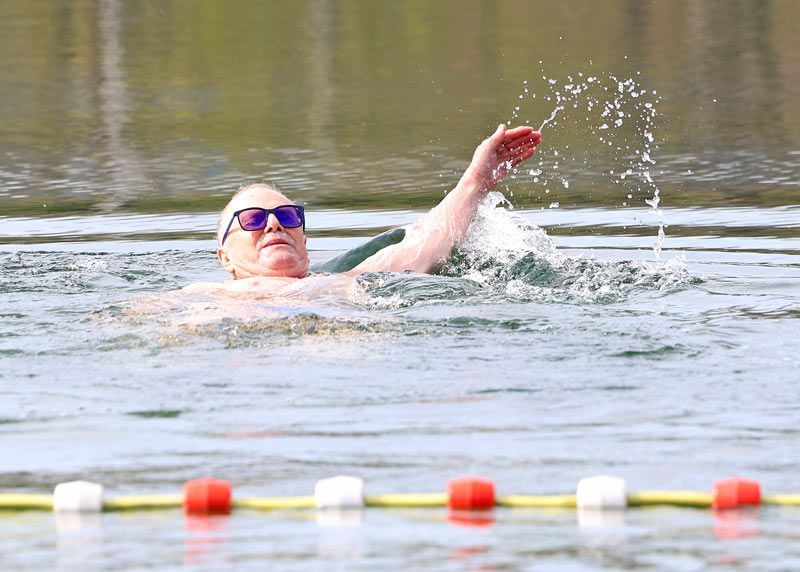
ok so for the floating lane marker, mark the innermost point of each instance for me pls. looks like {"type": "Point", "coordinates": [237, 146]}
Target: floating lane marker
{"type": "Point", "coordinates": [215, 496]}
{"type": "Point", "coordinates": [207, 496]}
{"type": "Point", "coordinates": [602, 492]}
{"type": "Point", "coordinates": [470, 493]}
{"type": "Point", "coordinates": [736, 492]}
{"type": "Point", "coordinates": [339, 492]}
{"type": "Point", "coordinates": [78, 496]}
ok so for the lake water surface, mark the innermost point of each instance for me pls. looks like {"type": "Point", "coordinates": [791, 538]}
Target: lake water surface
{"type": "Point", "coordinates": [564, 339]}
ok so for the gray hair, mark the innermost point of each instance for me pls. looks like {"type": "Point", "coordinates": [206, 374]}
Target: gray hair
{"type": "Point", "coordinates": [226, 212]}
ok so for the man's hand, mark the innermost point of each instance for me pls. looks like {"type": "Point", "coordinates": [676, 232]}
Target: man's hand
{"type": "Point", "coordinates": [498, 154]}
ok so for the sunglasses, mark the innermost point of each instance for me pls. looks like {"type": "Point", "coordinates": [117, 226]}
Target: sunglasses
{"type": "Point", "coordinates": [255, 218]}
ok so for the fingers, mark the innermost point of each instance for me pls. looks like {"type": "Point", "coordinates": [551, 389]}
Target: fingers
{"type": "Point", "coordinates": [509, 147]}
{"type": "Point", "coordinates": [498, 136]}
{"type": "Point", "coordinates": [519, 146]}
{"type": "Point", "coordinates": [524, 155]}
{"type": "Point", "coordinates": [524, 147]}
{"type": "Point", "coordinates": [521, 133]}
{"type": "Point", "coordinates": [516, 132]}
{"type": "Point", "coordinates": [511, 138]}
{"type": "Point", "coordinates": [534, 138]}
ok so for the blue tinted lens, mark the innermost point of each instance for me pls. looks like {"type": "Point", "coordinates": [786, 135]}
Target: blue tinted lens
{"type": "Point", "coordinates": [289, 216]}
{"type": "Point", "coordinates": [253, 219]}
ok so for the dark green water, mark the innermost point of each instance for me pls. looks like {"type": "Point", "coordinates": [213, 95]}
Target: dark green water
{"type": "Point", "coordinates": [554, 345]}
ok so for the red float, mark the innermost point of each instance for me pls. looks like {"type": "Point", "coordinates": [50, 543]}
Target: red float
{"type": "Point", "coordinates": [470, 493]}
{"type": "Point", "coordinates": [207, 496]}
{"type": "Point", "coordinates": [736, 492]}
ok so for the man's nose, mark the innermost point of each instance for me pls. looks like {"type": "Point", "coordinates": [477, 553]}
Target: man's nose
{"type": "Point", "coordinates": [273, 224]}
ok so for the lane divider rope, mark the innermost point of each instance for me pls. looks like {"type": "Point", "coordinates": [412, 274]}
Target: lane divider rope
{"type": "Point", "coordinates": [215, 496]}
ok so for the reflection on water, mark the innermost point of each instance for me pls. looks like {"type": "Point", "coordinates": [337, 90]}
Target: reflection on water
{"type": "Point", "coordinates": [162, 107]}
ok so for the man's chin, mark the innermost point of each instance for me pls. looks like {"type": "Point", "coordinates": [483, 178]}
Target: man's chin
{"type": "Point", "coordinates": [289, 267]}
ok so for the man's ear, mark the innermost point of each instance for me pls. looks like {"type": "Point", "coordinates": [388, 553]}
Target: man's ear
{"type": "Point", "coordinates": [227, 265]}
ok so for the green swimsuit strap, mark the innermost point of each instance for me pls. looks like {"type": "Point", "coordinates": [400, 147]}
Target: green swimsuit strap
{"type": "Point", "coordinates": [354, 257]}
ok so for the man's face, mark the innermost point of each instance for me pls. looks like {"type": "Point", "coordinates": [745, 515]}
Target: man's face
{"type": "Point", "coordinates": [273, 251]}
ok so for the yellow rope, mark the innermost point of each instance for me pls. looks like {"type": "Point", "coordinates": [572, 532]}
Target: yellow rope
{"type": "Point", "coordinates": [25, 502]}
{"type": "Point", "coordinates": [407, 500]}
{"type": "Point", "coordinates": [142, 502]}
{"type": "Point", "coordinates": [274, 503]}
{"type": "Point", "coordinates": [789, 500]}
{"type": "Point", "coordinates": [537, 501]}
{"type": "Point", "coordinates": [674, 498]}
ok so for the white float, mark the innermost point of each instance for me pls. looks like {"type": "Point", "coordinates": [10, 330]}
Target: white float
{"type": "Point", "coordinates": [602, 492]}
{"type": "Point", "coordinates": [78, 496]}
{"type": "Point", "coordinates": [339, 492]}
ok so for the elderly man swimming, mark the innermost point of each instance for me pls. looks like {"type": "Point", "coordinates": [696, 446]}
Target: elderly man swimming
{"type": "Point", "coordinates": [261, 233]}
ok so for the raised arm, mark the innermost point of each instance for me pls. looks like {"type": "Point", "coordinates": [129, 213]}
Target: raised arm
{"type": "Point", "coordinates": [430, 240]}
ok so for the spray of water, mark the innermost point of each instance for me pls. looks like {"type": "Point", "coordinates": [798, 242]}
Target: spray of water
{"type": "Point", "coordinates": [619, 114]}
{"type": "Point", "coordinates": [556, 109]}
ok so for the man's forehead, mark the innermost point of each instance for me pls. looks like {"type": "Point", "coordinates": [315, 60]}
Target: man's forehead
{"type": "Point", "coordinates": [259, 196]}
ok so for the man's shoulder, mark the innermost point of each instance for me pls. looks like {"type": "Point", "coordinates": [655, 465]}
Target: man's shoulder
{"type": "Point", "coordinates": [349, 260]}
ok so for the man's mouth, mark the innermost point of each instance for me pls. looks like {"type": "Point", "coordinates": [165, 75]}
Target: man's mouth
{"type": "Point", "coordinates": [274, 241]}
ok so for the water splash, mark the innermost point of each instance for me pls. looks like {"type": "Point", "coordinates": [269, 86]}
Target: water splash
{"type": "Point", "coordinates": [506, 258]}
{"type": "Point", "coordinates": [619, 115]}
{"type": "Point", "coordinates": [556, 109]}
{"type": "Point", "coordinates": [506, 250]}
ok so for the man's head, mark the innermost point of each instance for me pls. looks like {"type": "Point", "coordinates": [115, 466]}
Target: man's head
{"type": "Point", "coordinates": [272, 251]}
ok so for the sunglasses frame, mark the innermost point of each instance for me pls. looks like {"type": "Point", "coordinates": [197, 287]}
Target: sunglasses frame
{"type": "Point", "coordinates": [266, 212]}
